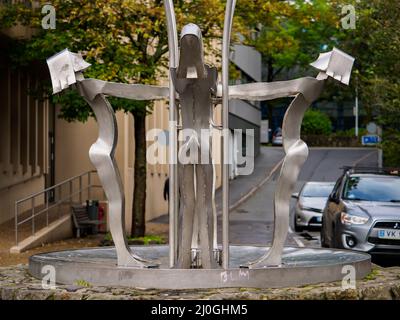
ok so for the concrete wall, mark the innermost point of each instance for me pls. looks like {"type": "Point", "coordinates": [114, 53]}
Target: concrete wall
{"type": "Point", "coordinates": [23, 137]}
{"type": "Point", "coordinates": [8, 196]}
{"type": "Point", "coordinates": [247, 59]}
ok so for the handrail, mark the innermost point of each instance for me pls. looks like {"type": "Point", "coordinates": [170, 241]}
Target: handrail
{"type": "Point", "coordinates": [34, 195]}
{"type": "Point", "coordinates": [62, 198]}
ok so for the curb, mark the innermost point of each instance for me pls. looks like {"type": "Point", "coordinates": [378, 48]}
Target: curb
{"type": "Point", "coordinates": [255, 188]}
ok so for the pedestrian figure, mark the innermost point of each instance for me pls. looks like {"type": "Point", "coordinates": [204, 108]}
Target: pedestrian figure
{"type": "Point", "coordinates": [166, 190]}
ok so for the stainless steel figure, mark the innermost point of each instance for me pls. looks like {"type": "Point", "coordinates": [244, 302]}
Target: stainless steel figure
{"type": "Point", "coordinates": [195, 82]}
{"type": "Point", "coordinates": [65, 69]}
{"type": "Point", "coordinates": [173, 138]}
{"type": "Point", "coordinates": [336, 64]}
{"type": "Point", "coordinates": [229, 12]}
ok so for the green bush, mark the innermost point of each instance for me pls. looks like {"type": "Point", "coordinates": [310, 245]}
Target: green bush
{"type": "Point", "coordinates": [351, 133]}
{"type": "Point", "coordinates": [316, 122]}
{"type": "Point", "coordinates": [391, 149]}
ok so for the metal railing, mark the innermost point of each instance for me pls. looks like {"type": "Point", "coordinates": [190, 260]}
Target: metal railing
{"type": "Point", "coordinates": [44, 207]}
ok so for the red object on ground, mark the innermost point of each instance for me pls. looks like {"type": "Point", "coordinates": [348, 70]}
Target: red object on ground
{"type": "Point", "coordinates": [102, 227]}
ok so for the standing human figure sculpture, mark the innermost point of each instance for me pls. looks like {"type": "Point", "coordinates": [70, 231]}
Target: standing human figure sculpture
{"type": "Point", "coordinates": [195, 82]}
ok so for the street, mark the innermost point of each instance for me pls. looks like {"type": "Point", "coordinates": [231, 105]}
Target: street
{"type": "Point", "coordinates": [252, 221]}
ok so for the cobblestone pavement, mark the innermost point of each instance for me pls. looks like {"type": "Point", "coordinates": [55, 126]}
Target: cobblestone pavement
{"type": "Point", "coordinates": [16, 283]}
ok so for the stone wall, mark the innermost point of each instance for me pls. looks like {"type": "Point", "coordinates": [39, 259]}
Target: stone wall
{"type": "Point", "coordinates": [331, 141]}
{"type": "Point", "coordinates": [17, 284]}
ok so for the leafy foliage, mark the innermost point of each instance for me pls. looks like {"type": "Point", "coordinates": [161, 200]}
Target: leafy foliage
{"type": "Point", "coordinates": [316, 122]}
{"type": "Point", "coordinates": [376, 42]}
{"type": "Point", "coordinates": [290, 33]}
{"type": "Point", "coordinates": [124, 40]}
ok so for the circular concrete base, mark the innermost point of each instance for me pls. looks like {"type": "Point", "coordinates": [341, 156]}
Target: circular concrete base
{"type": "Point", "coordinates": [301, 266]}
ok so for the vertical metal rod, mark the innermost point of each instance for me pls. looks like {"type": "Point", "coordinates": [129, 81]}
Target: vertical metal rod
{"type": "Point", "coordinates": [229, 12]}
{"type": "Point", "coordinates": [59, 202]}
{"type": "Point", "coordinates": [356, 111]}
{"type": "Point", "coordinates": [80, 189]}
{"type": "Point", "coordinates": [16, 223]}
{"type": "Point", "coordinates": [70, 192]}
{"type": "Point", "coordinates": [33, 215]}
{"type": "Point", "coordinates": [380, 158]}
{"type": "Point", "coordinates": [89, 185]}
{"type": "Point", "coordinates": [47, 208]}
{"type": "Point", "coordinates": [173, 166]}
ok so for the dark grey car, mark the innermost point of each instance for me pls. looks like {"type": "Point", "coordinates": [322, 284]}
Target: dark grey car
{"type": "Point", "coordinates": [363, 212]}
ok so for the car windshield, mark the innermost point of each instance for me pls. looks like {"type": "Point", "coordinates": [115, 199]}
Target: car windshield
{"type": "Point", "coordinates": [385, 189]}
{"type": "Point", "coordinates": [316, 190]}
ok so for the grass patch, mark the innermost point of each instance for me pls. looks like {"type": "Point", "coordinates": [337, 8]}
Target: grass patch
{"type": "Point", "coordinates": [82, 283]}
{"type": "Point", "coordinates": [146, 240]}
{"type": "Point", "coordinates": [151, 239]}
{"type": "Point", "coordinates": [372, 275]}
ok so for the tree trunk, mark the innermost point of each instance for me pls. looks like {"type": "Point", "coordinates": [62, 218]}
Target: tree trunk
{"type": "Point", "coordinates": [139, 193]}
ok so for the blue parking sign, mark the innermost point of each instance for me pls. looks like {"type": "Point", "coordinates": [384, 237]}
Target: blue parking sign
{"type": "Point", "coordinates": [370, 140]}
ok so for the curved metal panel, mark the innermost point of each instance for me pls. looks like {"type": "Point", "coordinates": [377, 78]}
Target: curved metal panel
{"type": "Point", "coordinates": [229, 13]}
{"type": "Point", "coordinates": [173, 147]}
{"type": "Point", "coordinates": [102, 156]}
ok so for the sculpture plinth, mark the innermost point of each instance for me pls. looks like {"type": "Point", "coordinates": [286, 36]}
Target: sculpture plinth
{"type": "Point", "coordinates": [193, 218]}
{"type": "Point", "coordinates": [301, 266]}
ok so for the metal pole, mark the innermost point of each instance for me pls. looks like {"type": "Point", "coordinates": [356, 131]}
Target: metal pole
{"type": "Point", "coordinates": [229, 12]}
{"type": "Point", "coordinates": [89, 185]}
{"type": "Point", "coordinates": [59, 202]}
{"type": "Point", "coordinates": [33, 216]}
{"type": "Point", "coordinates": [173, 166]}
{"type": "Point", "coordinates": [16, 223]}
{"type": "Point", "coordinates": [356, 112]}
{"type": "Point", "coordinates": [47, 208]}
{"type": "Point", "coordinates": [70, 192]}
{"type": "Point", "coordinates": [80, 189]}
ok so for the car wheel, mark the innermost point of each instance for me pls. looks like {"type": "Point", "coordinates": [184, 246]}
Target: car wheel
{"type": "Point", "coordinates": [324, 243]}
{"type": "Point", "coordinates": [297, 228]}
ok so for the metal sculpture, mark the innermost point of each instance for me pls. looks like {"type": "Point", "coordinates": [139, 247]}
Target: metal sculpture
{"type": "Point", "coordinates": [191, 88]}
{"type": "Point", "coordinates": [335, 64]}
{"type": "Point", "coordinates": [195, 82]}
{"type": "Point", "coordinates": [66, 69]}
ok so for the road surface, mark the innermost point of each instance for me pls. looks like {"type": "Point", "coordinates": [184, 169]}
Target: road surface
{"type": "Point", "coordinates": [252, 221]}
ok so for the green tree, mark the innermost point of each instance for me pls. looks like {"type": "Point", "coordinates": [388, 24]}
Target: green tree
{"type": "Point", "coordinates": [125, 41]}
{"type": "Point", "coordinates": [316, 122]}
{"type": "Point", "coordinates": [375, 43]}
{"type": "Point", "coordinates": [290, 34]}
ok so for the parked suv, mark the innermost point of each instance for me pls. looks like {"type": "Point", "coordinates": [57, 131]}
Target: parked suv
{"type": "Point", "coordinates": [363, 211]}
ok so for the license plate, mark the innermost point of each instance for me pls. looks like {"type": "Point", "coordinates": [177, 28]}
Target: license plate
{"type": "Point", "coordinates": [319, 219]}
{"type": "Point", "coordinates": [389, 234]}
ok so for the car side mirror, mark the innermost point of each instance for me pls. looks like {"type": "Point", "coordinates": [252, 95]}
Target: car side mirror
{"type": "Point", "coordinates": [295, 195]}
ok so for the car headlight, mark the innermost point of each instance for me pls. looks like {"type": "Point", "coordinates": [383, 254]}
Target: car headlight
{"type": "Point", "coordinates": [347, 218]}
